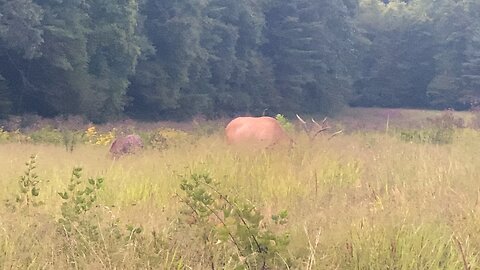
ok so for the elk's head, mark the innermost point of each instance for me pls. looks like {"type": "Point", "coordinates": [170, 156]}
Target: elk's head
{"type": "Point", "coordinates": [315, 128]}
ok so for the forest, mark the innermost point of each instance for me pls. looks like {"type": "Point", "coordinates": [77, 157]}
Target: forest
{"type": "Point", "coordinates": [153, 60]}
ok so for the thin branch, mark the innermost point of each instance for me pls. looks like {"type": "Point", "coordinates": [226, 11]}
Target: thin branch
{"type": "Point", "coordinates": [190, 206]}
{"type": "Point", "coordinates": [217, 216]}
{"type": "Point", "coordinates": [241, 218]}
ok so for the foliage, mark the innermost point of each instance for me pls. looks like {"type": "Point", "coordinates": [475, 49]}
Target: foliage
{"type": "Point", "coordinates": [70, 139]}
{"type": "Point", "coordinates": [176, 59]}
{"type": "Point", "coordinates": [311, 64]}
{"type": "Point", "coordinates": [13, 136]}
{"type": "Point", "coordinates": [286, 125]}
{"type": "Point", "coordinates": [29, 188]}
{"type": "Point", "coordinates": [47, 135]}
{"type": "Point", "coordinates": [442, 130]}
{"type": "Point", "coordinates": [4, 135]}
{"type": "Point", "coordinates": [93, 137]}
{"type": "Point", "coordinates": [396, 63]}
{"type": "Point", "coordinates": [232, 226]}
{"type": "Point", "coordinates": [168, 137]}
{"type": "Point", "coordinates": [79, 198]}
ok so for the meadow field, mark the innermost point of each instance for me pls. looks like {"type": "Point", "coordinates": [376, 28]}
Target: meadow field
{"type": "Point", "coordinates": [398, 189]}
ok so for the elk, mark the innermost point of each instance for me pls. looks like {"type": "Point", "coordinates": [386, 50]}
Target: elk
{"type": "Point", "coordinates": [126, 145]}
{"type": "Point", "coordinates": [261, 131]}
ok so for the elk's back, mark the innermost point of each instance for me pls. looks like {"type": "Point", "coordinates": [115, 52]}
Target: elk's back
{"type": "Point", "coordinates": [265, 131]}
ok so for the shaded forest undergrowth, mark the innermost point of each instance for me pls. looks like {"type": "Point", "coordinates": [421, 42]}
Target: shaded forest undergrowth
{"type": "Point", "coordinates": [395, 196]}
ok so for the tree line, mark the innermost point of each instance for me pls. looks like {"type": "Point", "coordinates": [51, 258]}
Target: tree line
{"type": "Point", "coordinates": [153, 59]}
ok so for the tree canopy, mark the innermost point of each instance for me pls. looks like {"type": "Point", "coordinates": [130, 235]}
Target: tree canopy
{"type": "Point", "coordinates": [154, 59]}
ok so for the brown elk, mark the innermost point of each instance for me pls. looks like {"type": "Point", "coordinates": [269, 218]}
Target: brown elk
{"type": "Point", "coordinates": [126, 145]}
{"type": "Point", "coordinates": [256, 131]}
{"type": "Point", "coordinates": [266, 131]}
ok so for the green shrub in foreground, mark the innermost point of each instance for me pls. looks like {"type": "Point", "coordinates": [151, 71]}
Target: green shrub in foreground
{"type": "Point", "coordinates": [232, 227]}
{"type": "Point", "coordinates": [28, 188]}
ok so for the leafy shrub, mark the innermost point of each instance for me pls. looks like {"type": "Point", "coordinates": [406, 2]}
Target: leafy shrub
{"type": "Point", "coordinates": [168, 137]}
{"type": "Point", "coordinates": [433, 136]}
{"type": "Point", "coordinates": [442, 130]}
{"type": "Point", "coordinates": [231, 226]}
{"type": "Point", "coordinates": [4, 135]}
{"type": "Point", "coordinates": [286, 125]}
{"type": "Point", "coordinates": [13, 136]}
{"type": "Point", "coordinates": [47, 135]}
{"type": "Point", "coordinates": [78, 199]}
{"type": "Point", "coordinates": [447, 120]}
{"type": "Point", "coordinates": [82, 221]}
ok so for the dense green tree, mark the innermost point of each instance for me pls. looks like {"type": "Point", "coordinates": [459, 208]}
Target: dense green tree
{"type": "Point", "coordinates": [178, 58]}
{"type": "Point", "coordinates": [114, 46]}
{"type": "Point", "coordinates": [449, 25]}
{"type": "Point", "coordinates": [397, 58]}
{"type": "Point", "coordinates": [241, 77]}
{"type": "Point", "coordinates": [470, 71]}
{"type": "Point", "coordinates": [58, 79]}
{"type": "Point", "coordinates": [311, 45]}
{"type": "Point", "coordinates": [160, 87]}
{"type": "Point", "coordinates": [206, 60]}
{"type": "Point", "coordinates": [20, 29]}
{"type": "Point", "coordinates": [20, 41]}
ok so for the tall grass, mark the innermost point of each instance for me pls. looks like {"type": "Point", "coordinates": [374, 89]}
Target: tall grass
{"type": "Point", "coordinates": [365, 200]}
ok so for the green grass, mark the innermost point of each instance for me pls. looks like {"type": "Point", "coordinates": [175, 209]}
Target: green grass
{"type": "Point", "coordinates": [364, 200]}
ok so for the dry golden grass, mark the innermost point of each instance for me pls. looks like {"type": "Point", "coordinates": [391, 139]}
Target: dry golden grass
{"type": "Point", "coordinates": [359, 201]}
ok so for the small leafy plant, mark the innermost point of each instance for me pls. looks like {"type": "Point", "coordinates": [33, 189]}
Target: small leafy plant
{"type": "Point", "coordinates": [78, 199]}
{"type": "Point", "coordinates": [83, 227]}
{"type": "Point", "coordinates": [28, 187]}
{"type": "Point", "coordinates": [232, 226]}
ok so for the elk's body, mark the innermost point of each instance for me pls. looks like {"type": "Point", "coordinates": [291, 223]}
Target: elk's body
{"type": "Point", "coordinates": [256, 131]}
{"type": "Point", "coordinates": [126, 145]}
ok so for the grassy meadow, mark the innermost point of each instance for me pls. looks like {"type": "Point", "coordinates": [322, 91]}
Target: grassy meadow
{"type": "Point", "coordinates": [393, 191]}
